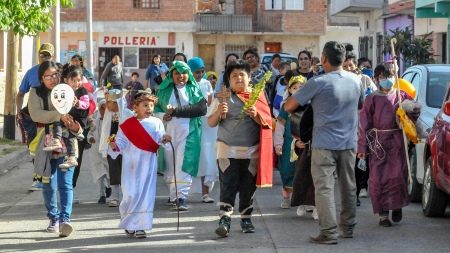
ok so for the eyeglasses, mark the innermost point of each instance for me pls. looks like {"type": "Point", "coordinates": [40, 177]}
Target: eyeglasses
{"type": "Point", "coordinates": [45, 56]}
{"type": "Point", "coordinates": [250, 57]}
{"type": "Point", "coordinates": [303, 59]}
{"type": "Point", "coordinates": [54, 76]}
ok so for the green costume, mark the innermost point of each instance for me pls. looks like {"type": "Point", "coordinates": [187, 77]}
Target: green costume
{"type": "Point", "coordinates": [165, 90]}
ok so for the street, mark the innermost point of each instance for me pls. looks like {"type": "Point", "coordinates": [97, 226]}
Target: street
{"type": "Point", "coordinates": [23, 222]}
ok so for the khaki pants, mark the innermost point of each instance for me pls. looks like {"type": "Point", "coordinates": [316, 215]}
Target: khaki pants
{"type": "Point", "coordinates": [324, 163]}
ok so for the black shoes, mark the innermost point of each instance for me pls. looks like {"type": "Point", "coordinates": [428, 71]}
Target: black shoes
{"type": "Point", "coordinates": [224, 226]}
{"type": "Point", "coordinates": [358, 202]}
{"type": "Point", "coordinates": [247, 226]}
{"type": "Point", "coordinates": [102, 200]}
{"type": "Point", "coordinates": [397, 215]}
{"type": "Point", "coordinates": [385, 222]}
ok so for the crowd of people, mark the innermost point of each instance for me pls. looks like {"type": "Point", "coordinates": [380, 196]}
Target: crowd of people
{"type": "Point", "coordinates": [197, 128]}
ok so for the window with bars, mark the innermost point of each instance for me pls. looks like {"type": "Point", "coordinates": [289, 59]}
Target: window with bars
{"type": "Point", "coordinates": [146, 4]}
{"type": "Point", "coordinates": [146, 56]}
{"type": "Point", "coordinates": [237, 49]}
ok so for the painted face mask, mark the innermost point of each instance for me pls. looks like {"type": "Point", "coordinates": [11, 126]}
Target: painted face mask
{"type": "Point", "coordinates": [387, 83]}
{"type": "Point", "coordinates": [62, 97]}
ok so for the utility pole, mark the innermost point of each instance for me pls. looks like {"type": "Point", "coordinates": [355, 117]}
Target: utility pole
{"type": "Point", "coordinates": [9, 121]}
{"type": "Point", "coordinates": [90, 51]}
{"type": "Point", "coordinates": [56, 32]}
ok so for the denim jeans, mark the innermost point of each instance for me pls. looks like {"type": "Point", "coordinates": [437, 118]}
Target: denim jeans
{"type": "Point", "coordinates": [60, 181]}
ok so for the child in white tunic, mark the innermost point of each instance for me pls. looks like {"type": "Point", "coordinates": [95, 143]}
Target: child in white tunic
{"type": "Point", "coordinates": [138, 139]}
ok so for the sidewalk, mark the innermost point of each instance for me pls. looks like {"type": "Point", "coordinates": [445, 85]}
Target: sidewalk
{"type": "Point", "coordinates": [12, 153]}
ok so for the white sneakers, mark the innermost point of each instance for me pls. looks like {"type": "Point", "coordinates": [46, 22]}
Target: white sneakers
{"type": "Point", "coordinates": [207, 199]}
{"type": "Point", "coordinates": [285, 203]}
{"type": "Point", "coordinates": [302, 209]}
{"type": "Point", "coordinates": [315, 214]}
{"type": "Point", "coordinates": [363, 193]}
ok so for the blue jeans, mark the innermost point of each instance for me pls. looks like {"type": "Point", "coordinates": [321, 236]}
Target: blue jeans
{"type": "Point", "coordinates": [60, 181]}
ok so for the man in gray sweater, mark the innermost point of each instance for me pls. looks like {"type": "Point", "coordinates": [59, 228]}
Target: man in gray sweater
{"type": "Point", "coordinates": [113, 74]}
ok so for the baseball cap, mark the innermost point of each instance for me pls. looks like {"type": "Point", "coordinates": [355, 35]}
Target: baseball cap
{"type": "Point", "coordinates": [47, 47]}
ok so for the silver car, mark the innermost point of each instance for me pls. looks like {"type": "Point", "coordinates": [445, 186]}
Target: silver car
{"type": "Point", "coordinates": [430, 82]}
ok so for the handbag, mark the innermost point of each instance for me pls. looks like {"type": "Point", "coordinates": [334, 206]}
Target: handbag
{"type": "Point", "coordinates": [301, 121]}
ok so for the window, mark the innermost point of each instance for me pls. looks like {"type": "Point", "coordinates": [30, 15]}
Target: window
{"type": "Point", "coordinates": [288, 5]}
{"type": "Point", "coordinates": [130, 57]}
{"type": "Point", "coordinates": [146, 56]}
{"type": "Point", "coordinates": [146, 4]}
{"type": "Point", "coordinates": [237, 49]}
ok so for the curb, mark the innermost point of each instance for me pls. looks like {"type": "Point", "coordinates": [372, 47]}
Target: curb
{"type": "Point", "coordinates": [11, 161]}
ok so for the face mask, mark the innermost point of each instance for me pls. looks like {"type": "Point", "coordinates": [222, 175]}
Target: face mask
{"type": "Point", "coordinates": [387, 83]}
{"type": "Point", "coordinates": [368, 72]}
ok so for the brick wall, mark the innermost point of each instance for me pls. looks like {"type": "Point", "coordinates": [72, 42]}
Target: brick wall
{"type": "Point", "coordinates": [122, 10]}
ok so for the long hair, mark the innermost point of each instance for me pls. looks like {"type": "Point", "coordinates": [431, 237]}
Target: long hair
{"type": "Point", "coordinates": [41, 90]}
{"type": "Point", "coordinates": [71, 71]}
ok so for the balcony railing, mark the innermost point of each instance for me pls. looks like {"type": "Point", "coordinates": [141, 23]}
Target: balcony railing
{"type": "Point", "coordinates": [224, 23]}
{"type": "Point", "coordinates": [238, 23]}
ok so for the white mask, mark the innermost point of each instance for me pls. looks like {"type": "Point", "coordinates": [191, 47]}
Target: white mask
{"type": "Point", "coordinates": [62, 97]}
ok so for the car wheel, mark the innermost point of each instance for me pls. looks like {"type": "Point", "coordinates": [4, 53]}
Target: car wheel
{"type": "Point", "coordinates": [414, 188]}
{"type": "Point", "coordinates": [434, 201]}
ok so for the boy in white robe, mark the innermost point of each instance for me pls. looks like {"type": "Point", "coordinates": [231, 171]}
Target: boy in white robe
{"type": "Point", "coordinates": [138, 139]}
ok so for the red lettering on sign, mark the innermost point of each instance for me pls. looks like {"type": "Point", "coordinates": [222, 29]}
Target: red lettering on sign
{"type": "Point", "coordinates": [105, 39]}
{"type": "Point", "coordinates": [135, 40]}
{"type": "Point", "coordinates": [126, 41]}
{"type": "Point", "coordinates": [142, 41]}
{"type": "Point", "coordinates": [120, 41]}
{"type": "Point", "coordinates": [153, 41]}
{"type": "Point", "coordinates": [113, 40]}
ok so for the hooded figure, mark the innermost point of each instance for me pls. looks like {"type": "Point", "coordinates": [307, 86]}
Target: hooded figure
{"type": "Point", "coordinates": [180, 106]}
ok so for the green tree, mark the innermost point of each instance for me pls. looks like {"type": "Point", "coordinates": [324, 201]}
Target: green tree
{"type": "Point", "coordinates": [410, 49]}
{"type": "Point", "coordinates": [21, 18]}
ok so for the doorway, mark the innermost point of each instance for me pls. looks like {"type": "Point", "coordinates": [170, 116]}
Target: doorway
{"type": "Point", "coordinates": [272, 47]}
{"type": "Point", "coordinates": [207, 52]}
{"type": "Point", "coordinates": [105, 56]}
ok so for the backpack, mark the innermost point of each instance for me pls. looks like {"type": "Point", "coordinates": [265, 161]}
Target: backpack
{"type": "Point", "coordinates": [27, 127]}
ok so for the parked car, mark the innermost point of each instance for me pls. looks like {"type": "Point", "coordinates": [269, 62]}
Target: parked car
{"type": "Point", "coordinates": [436, 186]}
{"type": "Point", "coordinates": [430, 82]}
{"type": "Point", "coordinates": [266, 58]}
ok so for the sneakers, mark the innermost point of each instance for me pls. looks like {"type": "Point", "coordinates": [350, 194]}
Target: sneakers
{"type": "Point", "coordinates": [75, 199]}
{"type": "Point", "coordinates": [363, 193]}
{"type": "Point", "coordinates": [301, 210]}
{"type": "Point", "coordinates": [315, 214]}
{"type": "Point", "coordinates": [358, 202]}
{"type": "Point", "coordinates": [53, 227]}
{"type": "Point", "coordinates": [224, 226]}
{"type": "Point", "coordinates": [65, 229]}
{"type": "Point", "coordinates": [310, 208]}
{"type": "Point", "coordinates": [140, 234]}
{"type": "Point", "coordinates": [397, 215]}
{"type": "Point", "coordinates": [36, 186]}
{"type": "Point", "coordinates": [108, 192]}
{"type": "Point", "coordinates": [114, 203]}
{"type": "Point", "coordinates": [207, 199]}
{"type": "Point", "coordinates": [102, 200]}
{"type": "Point", "coordinates": [130, 233]}
{"type": "Point", "coordinates": [54, 144]}
{"type": "Point", "coordinates": [69, 161]}
{"type": "Point", "coordinates": [285, 203]}
{"type": "Point", "coordinates": [182, 204]}
{"type": "Point", "coordinates": [171, 203]}
{"type": "Point", "coordinates": [347, 234]}
{"type": "Point", "coordinates": [385, 222]}
{"type": "Point", "coordinates": [323, 239]}
{"type": "Point", "coordinates": [247, 226]}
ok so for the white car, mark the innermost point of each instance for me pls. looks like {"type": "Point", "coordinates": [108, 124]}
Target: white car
{"type": "Point", "coordinates": [430, 82]}
{"type": "Point", "coordinates": [266, 58]}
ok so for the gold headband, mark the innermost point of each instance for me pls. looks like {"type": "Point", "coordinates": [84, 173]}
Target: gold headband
{"type": "Point", "coordinates": [297, 79]}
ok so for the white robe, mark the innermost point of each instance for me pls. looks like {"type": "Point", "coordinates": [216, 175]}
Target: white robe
{"type": "Point", "coordinates": [139, 178]}
{"type": "Point", "coordinates": [178, 129]}
{"type": "Point", "coordinates": [99, 164]}
{"type": "Point", "coordinates": [208, 164]}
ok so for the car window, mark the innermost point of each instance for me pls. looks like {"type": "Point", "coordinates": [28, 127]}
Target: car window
{"type": "Point", "coordinates": [408, 76]}
{"type": "Point", "coordinates": [267, 59]}
{"type": "Point", "coordinates": [437, 86]}
{"type": "Point", "coordinates": [416, 79]}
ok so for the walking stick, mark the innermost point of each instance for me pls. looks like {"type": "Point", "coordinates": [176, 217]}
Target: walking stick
{"type": "Point", "coordinates": [176, 188]}
{"type": "Point", "coordinates": [405, 142]}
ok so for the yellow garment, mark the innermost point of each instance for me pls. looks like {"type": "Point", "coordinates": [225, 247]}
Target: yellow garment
{"type": "Point", "coordinates": [408, 126]}
{"type": "Point", "coordinates": [34, 143]}
{"type": "Point", "coordinates": [294, 156]}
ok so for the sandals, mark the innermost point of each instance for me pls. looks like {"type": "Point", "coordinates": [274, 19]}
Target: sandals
{"type": "Point", "coordinates": [130, 232]}
{"type": "Point", "coordinates": [140, 234]}
{"type": "Point", "coordinates": [114, 203]}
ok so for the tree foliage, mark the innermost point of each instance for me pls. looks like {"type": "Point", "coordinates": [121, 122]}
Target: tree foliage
{"type": "Point", "coordinates": [27, 17]}
{"type": "Point", "coordinates": [410, 49]}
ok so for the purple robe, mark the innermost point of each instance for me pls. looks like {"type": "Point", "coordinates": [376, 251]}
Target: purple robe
{"type": "Point", "coordinates": [387, 160]}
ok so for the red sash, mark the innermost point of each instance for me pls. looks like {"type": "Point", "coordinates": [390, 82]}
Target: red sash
{"type": "Point", "coordinates": [265, 165]}
{"type": "Point", "coordinates": [136, 133]}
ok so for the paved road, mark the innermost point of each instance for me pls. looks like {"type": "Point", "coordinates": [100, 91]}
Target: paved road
{"type": "Point", "coordinates": [23, 222]}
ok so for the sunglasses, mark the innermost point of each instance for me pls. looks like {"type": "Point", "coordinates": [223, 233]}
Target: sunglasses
{"type": "Point", "coordinates": [54, 76]}
{"type": "Point", "coordinates": [45, 56]}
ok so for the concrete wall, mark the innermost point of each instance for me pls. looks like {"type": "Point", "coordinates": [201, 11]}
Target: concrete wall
{"type": "Point", "coordinates": [342, 34]}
